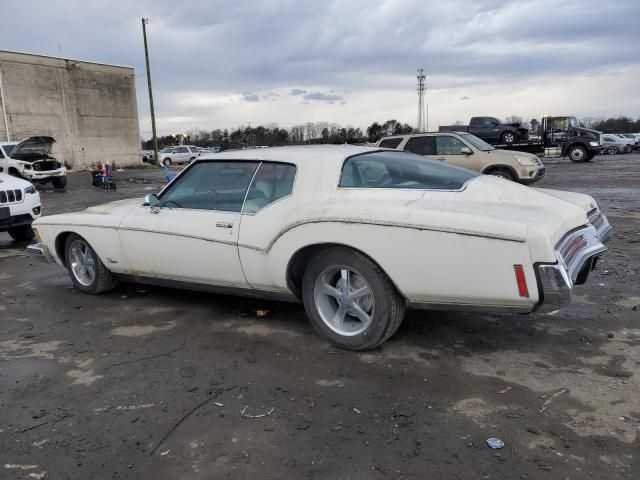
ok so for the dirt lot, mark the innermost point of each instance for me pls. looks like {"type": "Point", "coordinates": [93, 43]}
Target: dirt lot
{"type": "Point", "coordinates": [156, 383]}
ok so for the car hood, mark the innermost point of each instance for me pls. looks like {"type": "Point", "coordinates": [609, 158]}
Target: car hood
{"type": "Point", "coordinates": [8, 182]}
{"type": "Point", "coordinates": [33, 148]}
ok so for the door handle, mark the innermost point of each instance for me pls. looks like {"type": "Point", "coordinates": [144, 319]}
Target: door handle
{"type": "Point", "coordinates": [224, 225]}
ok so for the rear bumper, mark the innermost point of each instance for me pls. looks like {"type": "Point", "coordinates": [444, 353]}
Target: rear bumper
{"type": "Point", "coordinates": [41, 252]}
{"type": "Point", "coordinates": [577, 255]}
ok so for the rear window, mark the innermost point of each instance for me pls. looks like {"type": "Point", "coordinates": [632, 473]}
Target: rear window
{"type": "Point", "coordinates": [402, 170]}
{"type": "Point", "coordinates": [390, 143]}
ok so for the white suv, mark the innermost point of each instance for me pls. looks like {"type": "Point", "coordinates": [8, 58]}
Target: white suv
{"type": "Point", "coordinates": [19, 207]}
{"type": "Point", "coordinates": [178, 154]}
{"type": "Point", "coordinates": [31, 159]}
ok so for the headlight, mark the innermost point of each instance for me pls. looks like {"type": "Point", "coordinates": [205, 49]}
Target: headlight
{"type": "Point", "coordinates": [28, 166]}
{"type": "Point", "coordinates": [524, 161]}
{"type": "Point", "coordinates": [594, 144]}
{"type": "Point", "coordinates": [30, 189]}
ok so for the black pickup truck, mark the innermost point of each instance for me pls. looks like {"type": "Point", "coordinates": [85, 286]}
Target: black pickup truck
{"type": "Point", "coordinates": [491, 130]}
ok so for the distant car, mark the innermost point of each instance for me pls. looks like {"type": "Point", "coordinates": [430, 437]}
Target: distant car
{"type": "Point", "coordinates": [613, 144]}
{"type": "Point", "coordinates": [19, 207]}
{"type": "Point", "coordinates": [356, 234]}
{"type": "Point", "coordinates": [147, 156]}
{"type": "Point", "coordinates": [466, 150]}
{"type": "Point", "coordinates": [31, 159]}
{"type": "Point", "coordinates": [634, 139]}
{"type": "Point", "coordinates": [179, 154]}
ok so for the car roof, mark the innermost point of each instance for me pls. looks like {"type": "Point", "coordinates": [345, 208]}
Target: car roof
{"type": "Point", "coordinates": [292, 154]}
{"type": "Point", "coordinates": [421, 134]}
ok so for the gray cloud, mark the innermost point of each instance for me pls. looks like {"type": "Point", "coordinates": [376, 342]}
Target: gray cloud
{"type": "Point", "coordinates": [250, 97]}
{"type": "Point", "coordinates": [298, 91]}
{"type": "Point", "coordinates": [322, 97]}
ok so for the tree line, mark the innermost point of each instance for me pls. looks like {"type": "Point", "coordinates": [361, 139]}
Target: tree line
{"type": "Point", "coordinates": [271, 135]}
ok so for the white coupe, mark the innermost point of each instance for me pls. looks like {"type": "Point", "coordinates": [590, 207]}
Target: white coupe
{"type": "Point", "coordinates": [356, 234]}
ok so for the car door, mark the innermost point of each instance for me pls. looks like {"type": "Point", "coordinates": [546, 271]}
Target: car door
{"type": "Point", "coordinates": [192, 234]}
{"type": "Point", "coordinates": [449, 149]}
{"type": "Point", "coordinates": [485, 128]}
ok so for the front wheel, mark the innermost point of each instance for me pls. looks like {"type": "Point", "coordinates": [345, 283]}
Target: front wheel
{"type": "Point", "coordinates": [21, 233]}
{"type": "Point", "coordinates": [349, 299]}
{"type": "Point", "coordinates": [59, 182]}
{"type": "Point", "coordinates": [612, 150]}
{"type": "Point", "coordinates": [87, 272]}
{"type": "Point", "coordinates": [503, 173]}
{"type": "Point", "coordinates": [508, 137]}
{"type": "Point", "coordinates": [578, 154]}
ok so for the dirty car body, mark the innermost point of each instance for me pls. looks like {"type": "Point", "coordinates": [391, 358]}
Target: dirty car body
{"type": "Point", "coordinates": [355, 233]}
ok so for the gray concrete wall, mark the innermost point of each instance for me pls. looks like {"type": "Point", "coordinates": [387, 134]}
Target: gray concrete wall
{"type": "Point", "coordinates": [89, 108]}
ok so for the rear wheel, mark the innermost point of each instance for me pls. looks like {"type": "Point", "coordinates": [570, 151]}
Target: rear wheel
{"type": "Point", "coordinates": [21, 233]}
{"type": "Point", "coordinates": [167, 161]}
{"type": "Point", "coordinates": [613, 150]}
{"type": "Point", "coordinates": [503, 173]}
{"type": "Point", "coordinates": [508, 137]}
{"type": "Point", "coordinates": [349, 299]}
{"type": "Point", "coordinates": [87, 272]}
{"type": "Point", "coordinates": [578, 154]}
{"type": "Point", "coordinates": [59, 182]}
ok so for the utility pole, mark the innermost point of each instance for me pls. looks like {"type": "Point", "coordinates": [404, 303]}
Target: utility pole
{"type": "Point", "coordinates": [421, 88]}
{"type": "Point", "coordinates": [153, 114]}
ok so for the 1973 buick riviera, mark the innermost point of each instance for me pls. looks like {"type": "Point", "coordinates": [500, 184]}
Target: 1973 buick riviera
{"type": "Point", "coordinates": [356, 234]}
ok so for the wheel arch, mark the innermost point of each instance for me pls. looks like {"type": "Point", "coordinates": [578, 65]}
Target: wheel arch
{"type": "Point", "coordinates": [492, 168]}
{"type": "Point", "coordinates": [60, 242]}
{"type": "Point", "coordinates": [298, 262]}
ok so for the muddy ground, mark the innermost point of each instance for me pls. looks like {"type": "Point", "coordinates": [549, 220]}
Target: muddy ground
{"type": "Point", "coordinates": [156, 383]}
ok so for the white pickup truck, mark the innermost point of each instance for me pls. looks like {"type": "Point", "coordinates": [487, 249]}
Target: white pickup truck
{"type": "Point", "coordinates": [31, 159]}
{"type": "Point", "coordinates": [19, 207]}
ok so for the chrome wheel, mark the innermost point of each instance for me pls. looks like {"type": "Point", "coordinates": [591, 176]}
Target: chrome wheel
{"type": "Point", "coordinates": [344, 300]}
{"type": "Point", "coordinates": [82, 262]}
{"type": "Point", "coordinates": [577, 154]}
{"type": "Point", "coordinates": [508, 137]}
{"type": "Point", "coordinates": [612, 150]}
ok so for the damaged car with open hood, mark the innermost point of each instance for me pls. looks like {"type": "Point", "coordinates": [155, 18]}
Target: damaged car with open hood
{"type": "Point", "coordinates": [31, 159]}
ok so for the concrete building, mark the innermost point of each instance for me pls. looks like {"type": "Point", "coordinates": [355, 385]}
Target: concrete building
{"type": "Point", "coordinates": [89, 108]}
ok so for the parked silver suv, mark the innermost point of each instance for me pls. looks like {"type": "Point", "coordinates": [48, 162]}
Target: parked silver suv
{"type": "Point", "coordinates": [179, 154]}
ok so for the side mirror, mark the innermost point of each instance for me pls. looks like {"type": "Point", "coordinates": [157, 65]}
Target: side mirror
{"type": "Point", "coordinates": [151, 200]}
{"type": "Point", "coordinates": [466, 151]}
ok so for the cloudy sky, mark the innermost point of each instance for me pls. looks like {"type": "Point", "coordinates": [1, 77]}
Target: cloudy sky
{"type": "Point", "coordinates": [219, 64]}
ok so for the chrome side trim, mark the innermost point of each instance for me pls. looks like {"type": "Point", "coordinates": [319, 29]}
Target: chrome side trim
{"type": "Point", "coordinates": [466, 307]}
{"type": "Point", "coordinates": [40, 251]}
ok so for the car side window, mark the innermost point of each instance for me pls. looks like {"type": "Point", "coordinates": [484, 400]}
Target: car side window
{"type": "Point", "coordinates": [390, 143]}
{"type": "Point", "coordinates": [448, 145]}
{"type": "Point", "coordinates": [421, 145]}
{"type": "Point", "coordinates": [271, 182]}
{"type": "Point", "coordinates": [218, 186]}
{"type": "Point", "coordinates": [386, 169]}
{"type": "Point", "coordinates": [182, 150]}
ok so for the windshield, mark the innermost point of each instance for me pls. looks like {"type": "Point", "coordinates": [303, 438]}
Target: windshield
{"type": "Point", "coordinates": [8, 148]}
{"type": "Point", "coordinates": [389, 169]}
{"type": "Point", "coordinates": [166, 150]}
{"type": "Point", "coordinates": [476, 142]}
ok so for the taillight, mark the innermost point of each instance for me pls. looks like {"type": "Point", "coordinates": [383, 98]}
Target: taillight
{"type": "Point", "coordinates": [521, 280]}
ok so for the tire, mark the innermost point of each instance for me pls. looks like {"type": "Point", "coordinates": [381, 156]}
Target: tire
{"type": "Point", "coordinates": [77, 252]}
{"type": "Point", "coordinates": [167, 161]}
{"type": "Point", "coordinates": [192, 159]}
{"type": "Point", "coordinates": [22, 233]}
{"type": "Point", "coordinates": [383, 306]}
{"type": "Point", "coordinates": [578, 154]}
{"type": "Point", "coordinates": [503, 173]}
{"type": "Point", "coordinates": [59, 182]}
{"type": "Point", "coordinates": [508, 137]}
{"type": "Point", "coordinates": [613, 150]}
